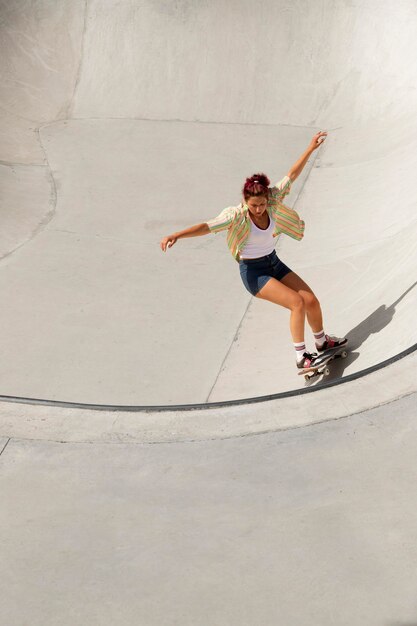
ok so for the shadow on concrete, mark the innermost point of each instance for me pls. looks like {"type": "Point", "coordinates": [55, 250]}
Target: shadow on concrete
{"type": "Point", "coordinates": [375, 322]}
{"type": "Point", "coordinates": [372, 325]}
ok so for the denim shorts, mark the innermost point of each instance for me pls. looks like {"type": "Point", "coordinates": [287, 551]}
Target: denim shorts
{"type": "Point", "coordinates": [255, 273]}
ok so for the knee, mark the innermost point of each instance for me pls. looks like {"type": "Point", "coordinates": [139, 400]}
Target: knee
{"type": "Point", "coordinates": [298, 304]}
{"type": "Point", "coordinates": [310, 301]}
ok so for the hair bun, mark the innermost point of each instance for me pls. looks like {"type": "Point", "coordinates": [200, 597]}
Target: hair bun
{"type": "Point", "coordinates": [256, 185]}
{"type": "Point", "coordinates": [259, 179]}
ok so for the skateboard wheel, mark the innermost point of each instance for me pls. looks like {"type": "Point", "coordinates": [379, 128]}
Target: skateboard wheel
{"type": "Point", "coordinates": [306, 377]}
{"type": "Point", "coordinates": [326, 371]}
{"type": "Point", "coordinates": [343, 354]}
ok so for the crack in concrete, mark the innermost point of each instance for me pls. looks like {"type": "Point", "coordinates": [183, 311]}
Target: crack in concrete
{"type": "Point", "coordinates": [52, 199]}
{"type": "Point", "coordinates": [184, 121]}
{"type": "Point", "coordinates": [5, 445]}
{"type": "Point", "coordinates": [234, 339]}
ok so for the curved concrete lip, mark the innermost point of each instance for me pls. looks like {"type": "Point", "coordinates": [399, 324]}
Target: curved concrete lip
{"type": "Point", "coordinates": [211, 405]}
{"type": "Point", "coordinates": [66, 424]}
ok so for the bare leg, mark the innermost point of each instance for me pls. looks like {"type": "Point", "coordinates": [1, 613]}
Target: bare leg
{"type": "Point", "coordinates": [312, 305]}
{"type": "Point", "coordinates": [278, 293]}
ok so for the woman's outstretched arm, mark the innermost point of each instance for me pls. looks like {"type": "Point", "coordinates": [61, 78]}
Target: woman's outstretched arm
{"type": "Point", "coordinates": [193, 231]}
{"type": "Point", "coordinates": [298, 166]}
{"type": "Point", "coordinates": [215, 225]}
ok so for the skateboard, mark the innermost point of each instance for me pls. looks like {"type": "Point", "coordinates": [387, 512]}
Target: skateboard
{"type": "Point", "coordinates": [322, 362]}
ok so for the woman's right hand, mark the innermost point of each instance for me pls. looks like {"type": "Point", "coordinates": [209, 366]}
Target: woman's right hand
{"type": "Point", "coordinates": [168, 242]}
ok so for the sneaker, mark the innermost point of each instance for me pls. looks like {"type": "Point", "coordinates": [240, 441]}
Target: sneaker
{"type": "Point", "coordinates": [307, 360]}
{"type": "Point", "coordinates": [331, 342]}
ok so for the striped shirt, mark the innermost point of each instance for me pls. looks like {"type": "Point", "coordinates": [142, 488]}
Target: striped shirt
{"type": "Point", "coordinates": [238, 223]}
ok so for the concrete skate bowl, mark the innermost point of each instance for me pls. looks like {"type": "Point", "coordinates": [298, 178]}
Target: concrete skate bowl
{"type": "Point", "coordinates": [124, 122]}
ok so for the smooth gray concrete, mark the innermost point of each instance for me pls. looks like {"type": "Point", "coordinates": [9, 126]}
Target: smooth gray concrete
{"type": "Point", "coordinates": [310, 526]}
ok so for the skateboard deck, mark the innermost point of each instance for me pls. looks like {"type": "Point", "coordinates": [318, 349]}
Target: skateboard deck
{"type": "Point", "coordinates": [321, 364]}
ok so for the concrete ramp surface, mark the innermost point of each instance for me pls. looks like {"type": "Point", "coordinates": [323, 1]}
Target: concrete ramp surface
{"type": "Point", "coordinates": [122, 122]}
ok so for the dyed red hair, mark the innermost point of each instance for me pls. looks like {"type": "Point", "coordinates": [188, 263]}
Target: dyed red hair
{"type": "Point", "coordinates": [256, 185]}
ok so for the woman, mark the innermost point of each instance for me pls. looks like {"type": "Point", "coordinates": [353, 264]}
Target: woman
{"type": "Point", "coordinates": [252, 227]}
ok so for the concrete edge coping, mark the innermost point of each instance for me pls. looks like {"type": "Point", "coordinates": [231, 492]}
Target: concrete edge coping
{"type": "Point", "coordinates": [69, 425]}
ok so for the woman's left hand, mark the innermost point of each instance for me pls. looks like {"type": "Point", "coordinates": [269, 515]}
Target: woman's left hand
{"type": "Point", "coordinates": [317, 140]}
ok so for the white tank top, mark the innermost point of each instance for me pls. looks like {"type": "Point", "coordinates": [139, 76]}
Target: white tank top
{"type": "Point", "coordinates": [260, 242]}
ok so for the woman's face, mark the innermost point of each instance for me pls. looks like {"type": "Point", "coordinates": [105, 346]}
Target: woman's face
{"type": "Point", "coordinates": [257, 205]}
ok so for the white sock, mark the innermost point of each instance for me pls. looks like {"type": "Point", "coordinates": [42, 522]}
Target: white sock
{"type": "Point", "coordinates": [320, 337]}
{"type": "Point", "coordinates": [300, 348]}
